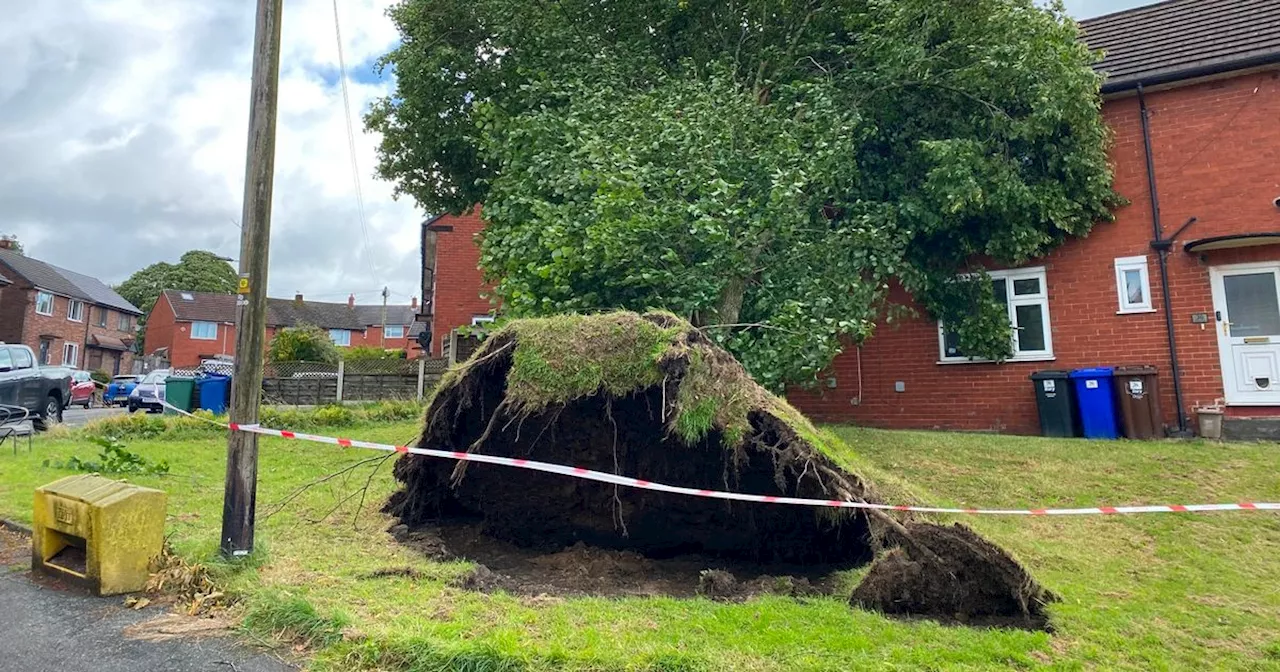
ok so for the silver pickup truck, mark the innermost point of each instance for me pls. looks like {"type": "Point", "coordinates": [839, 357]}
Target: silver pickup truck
{"type": "Point", "coordinates": [42, 391]}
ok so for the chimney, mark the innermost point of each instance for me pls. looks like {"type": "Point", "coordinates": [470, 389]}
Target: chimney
{"type": "Point", "coordinates": [7, 243]}
{"type": "Point", "coordinates": [414, 303]}
{"type": "Point", "coordinates": [297, 298]}
{"type": "Point", "coordinates": [351, 301]}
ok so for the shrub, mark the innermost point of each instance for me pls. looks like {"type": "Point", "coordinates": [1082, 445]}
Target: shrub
{"type": "Point", "coordinates": [100, 376]}
{"type": "Point", "coordinates": [364, 353]}
{"type": "Point", "coordinates": [303, 343]}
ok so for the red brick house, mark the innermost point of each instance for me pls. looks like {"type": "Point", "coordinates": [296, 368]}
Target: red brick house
{"type": "Point", "coordinates": [67, 318]}
{"type": "Point", "coordinates": [454, 287]}
{"type": "Point", "coordinates": [1193, 96]}
{"type": "Point", "coordinates": [186, 328]}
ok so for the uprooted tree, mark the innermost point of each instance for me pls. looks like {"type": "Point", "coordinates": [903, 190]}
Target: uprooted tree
{"type": "Point", "coordinates": [652, 397]}
{"type": "Point", "coordinates": [751, 162]}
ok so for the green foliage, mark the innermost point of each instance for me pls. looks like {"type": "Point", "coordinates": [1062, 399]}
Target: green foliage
{"type": "Point", "coordinates": [368, 353]}
{"type": "Point", "coordinates": [114, 458]}
{"type": "Point", "coordinates": [196, 271]}
{"type": "Point", "coordinates": [968, 308]}
{"type": "Point", "coordinates": [293, 618]}
{"type": "Point", "coordinates": [771, 164]}
{"type": "Point", "coordinates": [101, 376]}
{"type": "Point", "coordinates": [146, 426]}
{"type": "Point", "coordinates": [303, 343]}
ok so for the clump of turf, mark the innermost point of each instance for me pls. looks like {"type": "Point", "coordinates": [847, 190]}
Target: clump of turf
{"type": "Point", "coordinates": [650, 396]}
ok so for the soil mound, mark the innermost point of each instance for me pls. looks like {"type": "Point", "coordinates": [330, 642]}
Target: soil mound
{"type": "Point", "coordinates": [652, 397]}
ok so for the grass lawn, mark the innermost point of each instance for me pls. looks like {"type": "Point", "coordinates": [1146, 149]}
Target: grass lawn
{"type": "Point", "coordinates": [1164, 591]}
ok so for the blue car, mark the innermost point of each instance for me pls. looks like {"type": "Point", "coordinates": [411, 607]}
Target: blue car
{"type": "Point", "coordinates": [118, 390]}
{"type": "Point", "coordinates": [149, 392]}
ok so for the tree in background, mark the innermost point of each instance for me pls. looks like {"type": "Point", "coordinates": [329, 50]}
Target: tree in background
{"type": "Point", "coordinates": [196, 271]}
{"type": "Point", "coordinates": [766, 168]}
{"type": "Point", "coordinates": [303, 343]}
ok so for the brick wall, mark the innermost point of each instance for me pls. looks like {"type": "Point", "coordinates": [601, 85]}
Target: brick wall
{"type": "Point", "coordinates": [459, 287]}
{"type": "Point", "coordinates": [1216, 148]}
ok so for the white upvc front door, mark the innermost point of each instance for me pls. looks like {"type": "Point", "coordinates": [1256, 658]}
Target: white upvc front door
{"type": "Point", "coordinates": [1246, 301]}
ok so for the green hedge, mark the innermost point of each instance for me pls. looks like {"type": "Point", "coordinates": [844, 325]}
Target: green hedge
{"type": "Point", "coordinates": [147, 426]}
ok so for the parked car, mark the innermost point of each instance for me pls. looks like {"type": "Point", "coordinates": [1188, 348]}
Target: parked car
{"type": "Point", "coordinates": [118, 390]}
{"type": "Point", "coordinates": [149, 392]}
{"type": "Point", "coordinates": [44, 391]}
{"type": "Point", "coordinates": [83, 389]}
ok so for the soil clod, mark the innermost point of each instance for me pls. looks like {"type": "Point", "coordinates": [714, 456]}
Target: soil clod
{"type": "Point", "coordinates": [651, 397]}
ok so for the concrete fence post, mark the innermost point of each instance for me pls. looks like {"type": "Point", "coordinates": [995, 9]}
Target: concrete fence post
{"type": "Point", "coordinates": [422, 376]}
{"type": "Point", "coordinates": [342, 369]}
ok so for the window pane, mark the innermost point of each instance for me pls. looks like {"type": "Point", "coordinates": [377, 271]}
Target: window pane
{"type": "Point", "coordinates": [6, 361]}
{"type": "Point", "coordinates": [1030, 323]}
{"type": "Point", "coordinates": [21, 360]}
{"type": "Point", "coordinates": [1001, 288]}
{"type": "Point", "coordinates": [1251, 304]}
{"type": "Point", "coordinates": [1133, 291]}
{"type": "Point", "coordinates": [1026, 286]}
{"type": "Point", "coordinates": [951, 344]}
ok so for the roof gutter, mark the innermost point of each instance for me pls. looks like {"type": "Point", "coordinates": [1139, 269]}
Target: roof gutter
{"type": "Point", "coordinates": [1193, 72]}
{"type": "Point", "coordinates": [1161, 246]}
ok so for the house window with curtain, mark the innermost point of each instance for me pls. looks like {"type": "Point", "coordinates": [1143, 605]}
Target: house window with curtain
{"type": "Point", "coordinates": [340, 337]}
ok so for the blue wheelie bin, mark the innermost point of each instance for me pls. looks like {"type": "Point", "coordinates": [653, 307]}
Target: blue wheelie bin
{"type": "Point", "coordinates": [1097, 403]}
{"type": "Point", "coordinates": [214, 389]}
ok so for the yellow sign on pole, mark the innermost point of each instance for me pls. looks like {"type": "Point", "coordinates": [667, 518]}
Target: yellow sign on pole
{"type": "Point", "coordinates": [243, 287]}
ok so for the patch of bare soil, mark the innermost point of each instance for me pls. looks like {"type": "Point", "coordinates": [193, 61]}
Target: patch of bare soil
{"type": "Point", "coordinates": [583, 570]}
{"type": "Point", "coordinates": [15, 549]}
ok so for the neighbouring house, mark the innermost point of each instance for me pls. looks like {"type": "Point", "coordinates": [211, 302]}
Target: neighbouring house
{"type": "Point", "coordinates": [454, 287]}
{"type": "Point", "coordinates": [66, 318]}
{"type": "Point", "coordinates": [186, 328]}
{"type": "Point", "coordinates": [1192, 93]}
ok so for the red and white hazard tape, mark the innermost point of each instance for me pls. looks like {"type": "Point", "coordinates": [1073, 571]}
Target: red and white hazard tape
{"type": "Point", "coordinates": [603, 477]}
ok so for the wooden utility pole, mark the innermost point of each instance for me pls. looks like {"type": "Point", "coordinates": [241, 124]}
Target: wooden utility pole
{"type": "Point", "coordinates": [384, 317]}
{"type": "Point", "coordinates": [239, 497]}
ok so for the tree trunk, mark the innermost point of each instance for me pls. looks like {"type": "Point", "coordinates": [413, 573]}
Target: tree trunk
{"type": "Point", "coordinates": [731, 296]}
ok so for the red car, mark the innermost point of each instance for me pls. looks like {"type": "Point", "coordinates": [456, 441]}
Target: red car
{"type": "Point", "coordinates": [83, 389]}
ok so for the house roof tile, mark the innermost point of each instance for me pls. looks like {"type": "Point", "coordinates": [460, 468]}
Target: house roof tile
{"type": "Point", "coordinates": [62, 281]}
{"type": "Point", "coordinates": [1180, 39]}
{"type": "Point", "coordinates": [209, 307]}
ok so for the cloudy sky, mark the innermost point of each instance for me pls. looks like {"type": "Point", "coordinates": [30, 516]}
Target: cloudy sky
{"type": "Point", "coordinates": [122, 131]}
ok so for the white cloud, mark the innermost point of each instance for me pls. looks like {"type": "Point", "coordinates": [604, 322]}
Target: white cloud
{"type": "Point", "coordinates": [123, 123]}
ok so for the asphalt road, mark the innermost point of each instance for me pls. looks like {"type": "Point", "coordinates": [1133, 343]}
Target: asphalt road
{"type": "Point", "coordinates": [47, 627]}
{"type": "Point", "coordinates": [79, 417]}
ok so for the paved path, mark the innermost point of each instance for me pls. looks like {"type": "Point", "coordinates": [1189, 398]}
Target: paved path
{"type": "Point", "coordinates": [79, 417]}
{"type": "Point", "coordinates": [52, 629]}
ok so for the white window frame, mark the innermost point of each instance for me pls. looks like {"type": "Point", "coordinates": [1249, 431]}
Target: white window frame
{"type": "Point", "coordinates": [71, 310]}
{"type": "Point", "coordinates": [399, 333]}
{"type": "Point", "coordinates": [477, 320]}
{"type": "Point", "coordinates": [344, 341]}
{"type": "Point", "coordinates": [1138, 264]}
{"type": "Point", "coordinates": [41, 297]}
{"type": "Point", "coordinates": [195, 337]}
{"type": "Point", "coordinates": [74, 359]}
{"type": "Point", "coordinates": [1040, 298]}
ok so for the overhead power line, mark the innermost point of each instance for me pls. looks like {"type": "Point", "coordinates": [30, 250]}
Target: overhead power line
{"type": "Point", "coordinates": [351, 137]}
